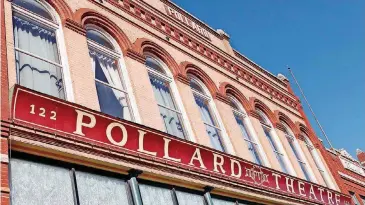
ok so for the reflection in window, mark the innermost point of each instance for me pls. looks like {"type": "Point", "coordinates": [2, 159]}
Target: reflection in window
{"type": "Point", "coordinates": [291, 139]}
{"type": "Point", "coordinates": [354, 199]}
{"type": "Point", "coordinates": [170, 114]}
{"type": "Point", "coordinates": [316, 159]}
{"type": "Point", "coordinates": [37, 59]}
{"type": "Point", "coordinates": [203, 102]}
{"type": "Point", "coordinates": [112, 95]}
{"type": "Point", "coordinates": [268, 130]}
{"type": "Point", "coordinates": [240, 116]}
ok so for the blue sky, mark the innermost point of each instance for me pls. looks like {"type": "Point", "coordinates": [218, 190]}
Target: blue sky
{"type": "Point", "coordinates": [323, 41]}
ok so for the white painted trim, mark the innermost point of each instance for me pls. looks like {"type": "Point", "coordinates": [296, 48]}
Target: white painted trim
{"type": "Point", "coordinates": [225, 138]}
{"type": "Point", "coordinates": [176, 96]}
{"type": "Point", "coordinates": [279, 145]}
{"type": "Point", "coordinates": [252, 132]}
{"type": "Point", "coordinates": [122, 68]}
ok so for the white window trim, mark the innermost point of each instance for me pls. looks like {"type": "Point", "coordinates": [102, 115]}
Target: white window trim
{"type": "Point", "coordinates": [251, 132]}
{"type": "Point", "coordinates": [319, 162]}
{"type": "Point", "coordinates": [279, 144]}
{"type": "Point", "coordinates": [299, 150]}
{"type": "Point", "coordinates": [68, 87]}
{"type": "Point", "coordinates": [227, 144]}
{"type": "Point", "coordinates": [122, 68]}
{"type": "Point", "coordinates": [188, 131]}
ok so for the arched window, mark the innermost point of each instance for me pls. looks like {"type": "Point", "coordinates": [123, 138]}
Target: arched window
{"type": "Point", "coordinates": [297, 151]}
{"type": "Point", "coordinates": [204, 102]}
{"type": "Point", "coordinates": [269, 133]}
{"type": "Point", "coordinates": [162, 82]}
{"type": "Point", "coordinates": [317, 160]}
{"type": "Point", "coordinates": [242, 121]}
{"type": "Point", "coordinates": [37, 53]}
{"type": "Point", "coordinates": [106, 64]}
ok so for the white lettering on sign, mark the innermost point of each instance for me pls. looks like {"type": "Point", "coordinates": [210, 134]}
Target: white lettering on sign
{"type": "Point", "coordinates": [352, 166]}
{"type": "Point", "coordinates": [187, 21]}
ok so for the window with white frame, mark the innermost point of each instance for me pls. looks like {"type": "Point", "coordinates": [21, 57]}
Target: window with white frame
{"type": "Point", "coordinates": [111, 90]}
{"type": "Point", "coordinates": [269, 130]}
{"type": "Point", "coordinates": [203, 100]}
{"type": "Point", "coordinates": [354, 199]}
{"type": "Point", "coordinates": [241, 116]}
{"type": "Point", "coordinates": [161, 85]}
{"type": "Point", "coordinates": [316, 159]}
{"type": "Point", "coordinates": [37, 57]}
{"type": "Point", "coordinates": [296, 150]}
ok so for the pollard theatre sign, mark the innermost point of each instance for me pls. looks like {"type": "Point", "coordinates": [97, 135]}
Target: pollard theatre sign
{"type": "Point", "coordinates": [60, 116]}
{"type": "Point", "coordinates": [187, 21]}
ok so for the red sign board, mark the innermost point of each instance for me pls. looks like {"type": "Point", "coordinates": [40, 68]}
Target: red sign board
{"type": "Point", "coordinates": [60, 116]}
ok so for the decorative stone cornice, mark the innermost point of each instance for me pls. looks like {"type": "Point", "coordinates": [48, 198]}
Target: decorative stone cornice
{"type": "Point", "coordinates": [317, 145]}
{"type": "Point", "coordinates": [182, 78]}
{"type": "Point", "coordinates": [73, 25]}
{"type": "Point", "coordinates": [135, 55]}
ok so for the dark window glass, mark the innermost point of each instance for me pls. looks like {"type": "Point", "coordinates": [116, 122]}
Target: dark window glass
{"type": "Point", "coordinates": [34, 7]}
{"type": "Point", "coordinates": [99, 38]}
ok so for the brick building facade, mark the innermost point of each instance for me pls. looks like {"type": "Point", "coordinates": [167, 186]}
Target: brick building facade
{"type": "Point", "coordinates": [351, 173]}
{"type": "Point", "coordinates": [138, 102]}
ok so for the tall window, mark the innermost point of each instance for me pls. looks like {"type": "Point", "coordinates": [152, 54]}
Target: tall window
{"type": "Point", "coordinates": [296, 150]}
{"type": "Point", "coordinates": [203, 101]}
{"type": "Point", "coordinates": [38, 63]}
{"type": "Point", "coordinates": [269, 133]}
{"type": "Point", "coordinates": [160, 81]}
{"type": "Point", "coordinates": [241, 117]}
{"type": "Point", "coordinates": [112, 94]}
{"type": "Point", "coordinates": [317, 160]}
{"type": "Point", "coordinates": [354, 199]}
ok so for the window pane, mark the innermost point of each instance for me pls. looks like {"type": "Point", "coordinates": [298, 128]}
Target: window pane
{"type": "Point", "coordinates": [251, 147]}
{"type": "Point", "coordinates": [187, 198]}
{"type": "Point", "coordinates": [275, 150]}
{"type": "Point", "coordinates": [154, 195]}
{"type": "Point", "coordinates": [196, 87]}
{"type": "Point", "coordinates": [362, 199]}
{"type": "Point", "coordinates": [112, 101]}
{"type": "Point", "coordinates": [154, 65]}
{"type": "Point", "coordinates": [39, 75]}
{"type": "Point", "coordinates": [42, 184]}
{"type": "Point", "coordinates": [222, 202]}
{"type": "Point", "coordinates": [215, 138]}
{"type": "Point", "coordinates": [204, 110]}
{"type": "Point", "coordinates": [172, 122]}
{"type": "Point", "coordinates": [35, 39]}
{"type": "Point", "coordinates": [96, 189]}
{"type": "Point", "coordinates": [162, 92]}
{"type": "Point", "coordinates": [35, 7]}
{"type": "Point", "coordinates": [299, 159]}
{"type": "Point", "coordinates": [99, 38]}
{"type": "Point", "coordinates": [354, 199]}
